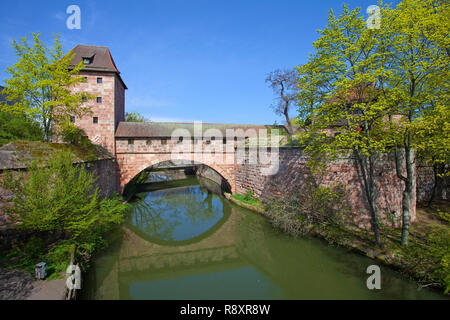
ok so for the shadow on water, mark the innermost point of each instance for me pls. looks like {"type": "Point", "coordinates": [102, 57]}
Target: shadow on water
{"type": "Point", "coordinates": [186, 241]}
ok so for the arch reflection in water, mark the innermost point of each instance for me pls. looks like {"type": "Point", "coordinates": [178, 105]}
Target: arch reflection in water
{"type": "Point", "coordinates": [178, 215]}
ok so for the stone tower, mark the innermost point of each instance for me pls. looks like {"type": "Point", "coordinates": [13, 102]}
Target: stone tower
{"type": "Point", "coordinates": [106, 84]}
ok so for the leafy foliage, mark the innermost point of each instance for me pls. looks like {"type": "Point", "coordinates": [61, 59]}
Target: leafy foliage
{"type": "Point", "coordinates": [429, 253]}
{"type": "Point", "coordinates": [370, 91]}
{"type": "Point", "coordinates": [248, 198]}
{"type": "Point", "coordinates": [441, 250]}
{"type": "Point", "coordinates": [135, 116]}
{"type": "Point", "coordinates": [70, 133]}
{"type": "Point", "coordinates": [18, 128]}
{"type": "Point", "coordinates": [41, 83]}
{"type": "Point", "coordinates": [339, 108]}
{"type": "Point", "coordinates": [310, 205]}
{"type": "Point", "coordinates": [60, 199]}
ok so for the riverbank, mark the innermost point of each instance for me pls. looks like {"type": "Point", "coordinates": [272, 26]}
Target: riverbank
{"type": "Point", "coordinates": [238, 199]}
{"type": "Point", "coordinates": [425, 260]}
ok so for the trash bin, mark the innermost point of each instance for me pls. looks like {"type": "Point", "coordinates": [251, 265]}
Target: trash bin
{"type": "Point", "coordinates": [41, 270]}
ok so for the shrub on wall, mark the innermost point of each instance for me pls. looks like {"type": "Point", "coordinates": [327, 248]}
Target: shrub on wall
{"type": "Point", "coordinates": [60, 199]}
{"type": "Point", "coordinates": [310, 204]}
{"type": "Point", "coordinates": [70, 133]}
{"type": "Point", "coordinates": [18, 128]}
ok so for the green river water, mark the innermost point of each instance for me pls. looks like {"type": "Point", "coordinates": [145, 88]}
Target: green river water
{"type": "Point", "coordinates": [184, 240]}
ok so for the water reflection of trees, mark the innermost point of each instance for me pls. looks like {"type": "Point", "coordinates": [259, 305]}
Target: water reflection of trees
{"type": "Point", "coordinates": [202, 205]}
{"type": "Point", "coordinates": [158, 213]}
{"type": "Point", "coordinates": [147, 217]}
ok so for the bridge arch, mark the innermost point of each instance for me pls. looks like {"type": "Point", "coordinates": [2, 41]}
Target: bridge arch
{"type": "Point", "coordinates": [131, 164]}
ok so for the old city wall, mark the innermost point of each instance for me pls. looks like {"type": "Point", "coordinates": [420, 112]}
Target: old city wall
{"type": "Point", "coordinates": [293, 173]}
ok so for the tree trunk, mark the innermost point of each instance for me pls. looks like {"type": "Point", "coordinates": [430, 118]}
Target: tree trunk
{"type": "Point", "coordinates": [368, 188]}
{"type": "Point", "coordinates": [408, 194]}
{"type": "Point", "coordinates": [286, 116]}
{"type": "Point", "coordinates": [47, 130]}
{"type": "Point", "coordinates": [286, 100]}
{"type": "Point", "coordinates": [46, 133]}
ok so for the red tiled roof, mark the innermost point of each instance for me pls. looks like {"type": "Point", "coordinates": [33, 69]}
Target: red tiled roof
{"type": "Point", "coordinates": [101, 59]}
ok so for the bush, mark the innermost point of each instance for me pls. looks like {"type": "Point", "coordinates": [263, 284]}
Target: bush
{"type": "Point", "coordinates": [18, 127]}
{"type": "Point", "coordinates": [58, 257]}
{"type": "Point", "coordinates": [249, 195]}
{"type": "Point", "coordinates": [439, 240]}
{"type": "Point", "coordinates": [70, 133]}
{"type": "Point", "coordinates": [60, 198]}
{"type": "Point", "coordinates": [309, 205]}
{"type": "Point", "coordinates": [33, 247]}
{"type": "Point", "coordinates": [285, 219]}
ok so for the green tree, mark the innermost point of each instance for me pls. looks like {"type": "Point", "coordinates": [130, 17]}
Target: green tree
{"type": "Point", "coordinates": [60, 197]}
{"type": "Point", "coordinates": [338, 105]}
{"type": "Point", "coordinates": [18, 128]}
{"type": "Point", "coordinates": [41, 82]}
{"type": "Point", "coordinates": [375, 87]}
{"type": "Point", "coordinates": [432, 141]}
{"type": "Point", "coordinates": [414, 40]}
{"type": "Point", "coordinates": [135, 116]}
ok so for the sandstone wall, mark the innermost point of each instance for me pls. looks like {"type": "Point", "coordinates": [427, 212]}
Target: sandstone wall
{"type": "Point", "coordinates": [207, 172]}
{"type": "Point", "coordinates": [425, 184]}
{"type": "Point", "coordinates": [106, 173]}
{"type": "Point", "coordinates": [119, 101]}
{"type": "Point", "coordinates": [293, 172]}
{"type": "Point", "coordinates": [102, 132]}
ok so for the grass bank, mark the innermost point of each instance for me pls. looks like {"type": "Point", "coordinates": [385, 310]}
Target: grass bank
{"type": "Point", "coordinates": [247, 201]}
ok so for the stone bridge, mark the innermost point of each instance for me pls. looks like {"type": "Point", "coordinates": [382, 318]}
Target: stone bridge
{"type": "Point", "coordinates": [141, 146]}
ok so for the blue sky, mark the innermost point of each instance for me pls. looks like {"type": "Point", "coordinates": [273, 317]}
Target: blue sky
{"type": "Point", "coordinates": [184, 60]}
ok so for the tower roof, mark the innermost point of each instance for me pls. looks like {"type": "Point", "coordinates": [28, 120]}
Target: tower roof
{"type": "Point", "coordinates": [100, 59]}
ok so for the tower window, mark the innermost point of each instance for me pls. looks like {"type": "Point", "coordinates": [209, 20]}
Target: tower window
{"type": "Point", "coordinates": [95, 120]}
{"type": "Point", "coordinates": [99, 99]}
{"type": "Point", "coordinates": [99, 80]}
{"type": "Point", "coordinates": [180, 139]}
{"type": "Point", "coordinates": [224, 140]}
